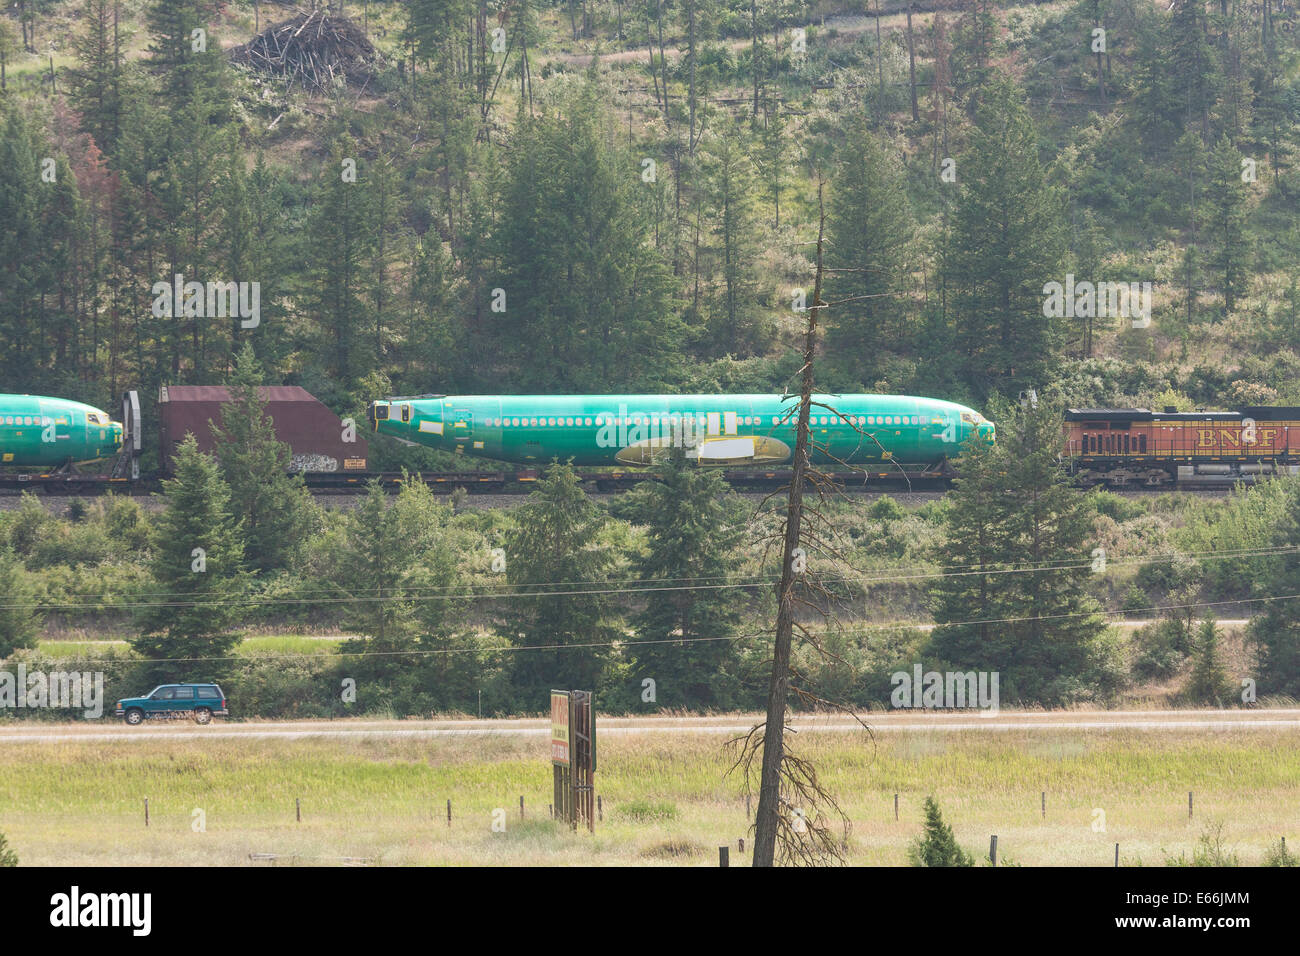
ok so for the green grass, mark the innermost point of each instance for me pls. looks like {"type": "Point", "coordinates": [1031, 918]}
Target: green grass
{"type": "Point", "coordinates": [257, 644]}
{"type": "Point", "coordinates": [666, 799]}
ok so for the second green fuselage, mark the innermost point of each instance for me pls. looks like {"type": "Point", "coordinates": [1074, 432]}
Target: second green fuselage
{"type": "Point", "coordinates": [638, 430]}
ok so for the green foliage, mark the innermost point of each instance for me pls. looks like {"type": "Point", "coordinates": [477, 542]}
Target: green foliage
{"type": "Point", "coordinates": [196, 565]}
{"type": "Point", "coordinates": [1005, 244]}
{"type": "Point", "coordinates": [1280, 855]}
{"type": "Point", "coordinates": [1159, 650]}
{"type": "Point", "coordinates": [937, 846]}
{"type": "Point", "coordinates": [1210, 850]}
{"type": "Point", "coordinates": [556, 554]}
{"type": "Point", "coordinates": [1039, 626]}
{"type": "Point", "coordinates": [687, 634]}
{"type": "Point", "coordinates": [274, 508]}
{"type": "Point", "coordinates": [19, 618]}
{"type": "Point", "coordinates": [1209, 682]}
{"type": "Point", "coordinates": [7, 856]}
{"type": "Point", "coordinates": [647, 811]}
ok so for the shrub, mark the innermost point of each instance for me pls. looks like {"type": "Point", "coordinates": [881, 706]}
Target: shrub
{"type": "Point", "coordinates": [7, 856]}
{"type": "Point", "coordinates": [937, 846]}
{"type": "Point", "coordinates": [1279, 855]}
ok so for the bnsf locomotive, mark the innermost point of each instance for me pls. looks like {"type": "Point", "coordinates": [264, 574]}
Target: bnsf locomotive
{"type": "Point", "coordinates": [1135, 446]}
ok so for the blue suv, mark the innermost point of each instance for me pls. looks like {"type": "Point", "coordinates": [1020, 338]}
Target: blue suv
{"type": "Point", "coordinates": [200, 701]}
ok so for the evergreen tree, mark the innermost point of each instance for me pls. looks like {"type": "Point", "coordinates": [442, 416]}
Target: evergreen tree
{"type": "Point", "coordinates": [693, 539]}
{"type": "Point", "coordinates": [1275, 631]}
{"type": "Point", "coordinates": [586, 297]}
{"type": "Point", "coordinates": [273, 506]}
{"type": "Point", "coordinates": [1226, 223]}
{"type": "Point", "coordinates": [386, 543]}
{"type": "Point", "coordinates": [1017, 556]}
{"type": "Point", "coordinates": [1006, 245]}
{"type": "Point", "coordinates": [870, 228]}
{"type": "Point", "coordinates": [96, 82]}
{"type": "Point", "coordinates": [555, 546]}
{"type": "Point", "coordinates": [937, 846]}
{"type": "Point", "coordinates": [738, 325]}
{"type": "Point", "coordinates": [19, 619]}
{"type": "Point", "coordinates": [196, 567]}
{"type": "Point", "coordinates": [1209, 682]}
{"type": "Point", "coordinates": [343, 241]}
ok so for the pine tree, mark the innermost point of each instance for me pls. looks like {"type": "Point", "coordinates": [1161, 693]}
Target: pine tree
{"type": "Point", "coordinates": [1209, 682]}
{"type": "Point", "coordinates": [556, 545]}
{"type": "Point", "coordinates": [1018, 553]}
{"type": "Point", "coordinates": [196, 566]}
{"type": "Point", "coordinates": [1275, 632]}
{"type": "Point", "coordinates": [586, 298]}
{"type": "Point", "coordinates": [19, 619]}
{"type": "Point", "coordinates": [342, 229]}
{"type": "Point", "coordinates": [1225, 222]}
{"type": "Point", "coordinates": [1006, 244]}
{"type": "Point", "coordinates": [96, 82]}
{"type": "Point", "coordinates": [937, 846]}
{"type": "Point", "coordinates": [273, 506]}
{"type": "Point", "coordinates": [731, 181]}
{"type": "Point", "coordinates": [693, 539]}
{"type": "Point", "coordinates": [870, 227]}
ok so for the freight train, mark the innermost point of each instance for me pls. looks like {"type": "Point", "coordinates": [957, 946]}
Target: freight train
{"type": "Point", "coordinates": [857, 439]}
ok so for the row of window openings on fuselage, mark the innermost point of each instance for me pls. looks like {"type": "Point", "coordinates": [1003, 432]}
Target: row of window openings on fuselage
{"type": "Point", "coordinates": [1115, 444]}
{"type": "Point", "coordinates": [674, 419]}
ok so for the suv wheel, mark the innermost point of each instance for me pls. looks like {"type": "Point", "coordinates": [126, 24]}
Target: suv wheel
{"type": "Point", "coordinates": [203, 716]}
{"type": "Point", "coordinates": [135, 716]}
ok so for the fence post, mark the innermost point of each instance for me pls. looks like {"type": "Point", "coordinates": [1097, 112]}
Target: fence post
{"type": "Point", "coordinates": [724, 854]}
{"type": "Point", "coordinates": [600, 808]}
{"type": "Point", "coordinates": [895, 808]}
{"type": "Point", "coordinates": [1117, 854]}
{"type": "Point", "coordinates": [1044, 804]}
{"type": "Point", "coordinates": [742, 844]}
{"type": "Point", "coordinates": [521, 806]}
{"type": "Point", "coordinates": [448, 813]}
{"type": "Point", "coordinates": [1189, 804]}
{"type": "Point", "coordinates": [146, 811]}
{"type": "Point", "coordinates": [993, 849]}
{"type": "Point", "coordinates": [297, 806]}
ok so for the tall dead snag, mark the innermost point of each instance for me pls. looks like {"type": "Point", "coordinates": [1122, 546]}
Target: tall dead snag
{"type": "Point", "coordinates": [772, 816]}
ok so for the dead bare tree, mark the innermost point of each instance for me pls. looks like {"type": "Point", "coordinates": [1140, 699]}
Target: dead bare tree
{"type": "Point", "coordinates": [798, 820]}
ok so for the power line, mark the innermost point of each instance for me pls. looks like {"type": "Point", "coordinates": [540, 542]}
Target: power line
{"type": "Point", "coordinates": [858, 631]}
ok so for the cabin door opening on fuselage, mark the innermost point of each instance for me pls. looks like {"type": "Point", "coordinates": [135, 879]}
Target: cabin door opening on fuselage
{"type": "Point", "coordinates": [462, 427]}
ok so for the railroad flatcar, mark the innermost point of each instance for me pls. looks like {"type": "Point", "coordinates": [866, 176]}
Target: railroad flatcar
{"type": "Point", "coordinates": [1136, 446]}
{"type": "Point", "coordinates": [41, 432]}
{"type": "Point", "coordinates": [887, 431]}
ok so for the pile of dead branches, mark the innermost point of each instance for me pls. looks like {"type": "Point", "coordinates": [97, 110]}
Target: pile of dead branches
{"type": "Point", "coordinates": [312, 50]}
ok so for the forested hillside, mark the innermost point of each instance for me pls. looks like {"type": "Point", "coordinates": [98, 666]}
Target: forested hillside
{"type": "Point", "coordinates": [461, 196]}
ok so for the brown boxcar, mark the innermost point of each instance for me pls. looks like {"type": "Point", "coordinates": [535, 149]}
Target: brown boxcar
{"type": "Point", "coordinates": [316, 436]}
{"type": "Point", "coordinates": [1121, 446]}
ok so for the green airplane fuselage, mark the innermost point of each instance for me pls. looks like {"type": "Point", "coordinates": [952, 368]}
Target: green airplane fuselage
{"type": "Point", "coordinates": [637, 430]}
{"type": "Point", "coordinates": [36, 431]}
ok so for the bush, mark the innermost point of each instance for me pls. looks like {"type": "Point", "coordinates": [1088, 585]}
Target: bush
{"type": "Point", "coordinates": [937, 846]}
{"type": "Point", "coordinates": [1157, 650]}
{"type": "Point", "coordinates": [7, 856]}
{"type": "Point", "coordinates": [1279, 855]}
{"type": "Point", "coordinates": [1209, 851]}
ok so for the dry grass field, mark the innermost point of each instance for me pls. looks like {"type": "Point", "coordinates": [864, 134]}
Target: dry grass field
{"type": "Point", "coordinates": [667, 798]}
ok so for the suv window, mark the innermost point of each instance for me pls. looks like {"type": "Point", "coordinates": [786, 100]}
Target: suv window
{"type": "Point", "coordinates": [208, 693]}
{"type": "Point", "coordinates": [163, 693]}
{"type": "Point", "coordinates": [183, 693]}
